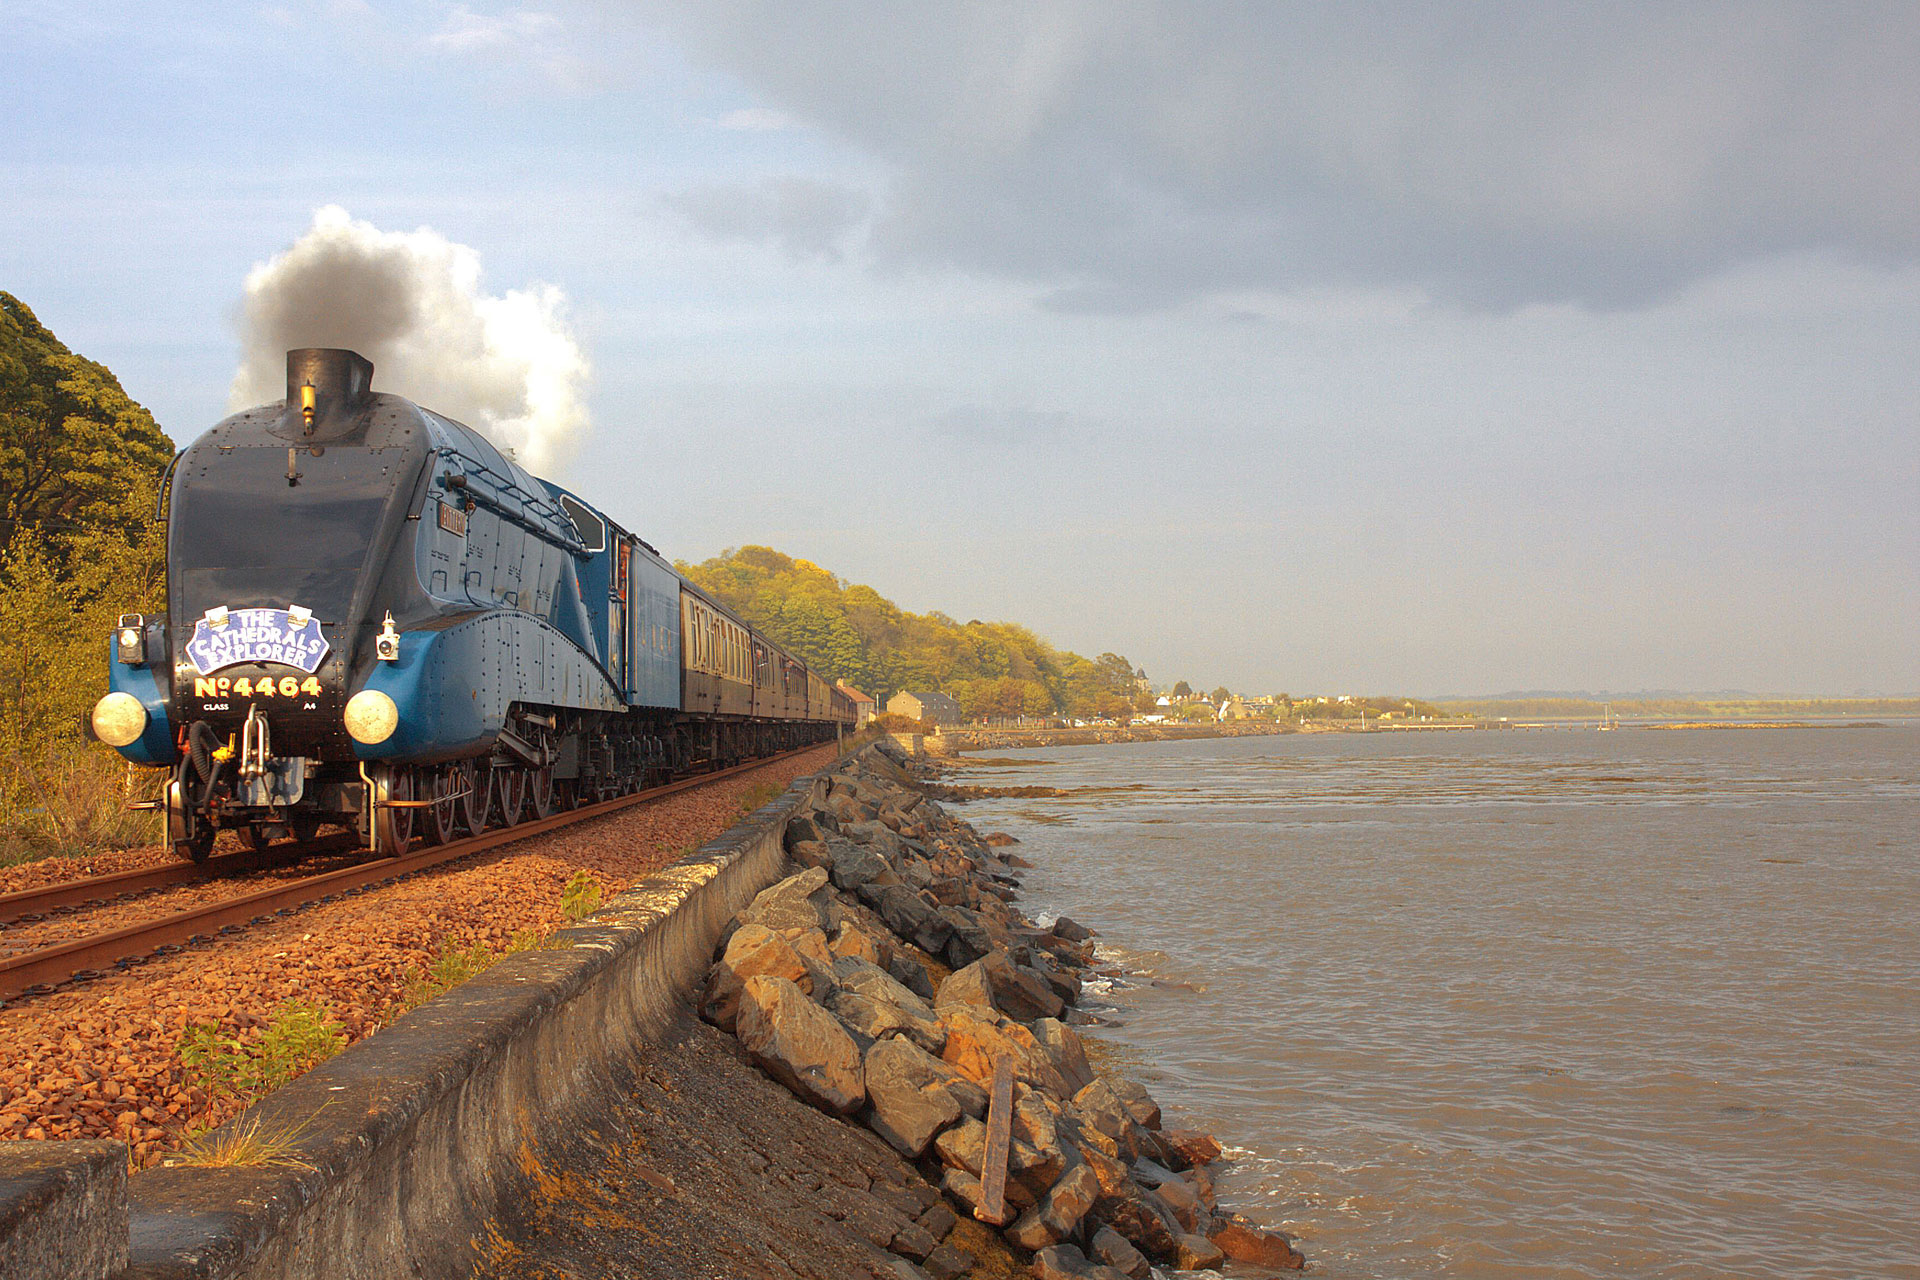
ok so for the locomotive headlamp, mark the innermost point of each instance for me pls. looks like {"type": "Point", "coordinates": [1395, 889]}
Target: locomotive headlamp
{"type": "Point", "coordinates": [371, 716]}
{"type": "Point", "coordinates": [119, 719]}
{"type": "Point", "coordinates": [130, 643]}
{"type": "Point", "coordinates": [386, 645]}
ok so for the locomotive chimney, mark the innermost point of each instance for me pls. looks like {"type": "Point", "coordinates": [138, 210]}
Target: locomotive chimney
{"type": "Point", "coordinates": [327, 382]}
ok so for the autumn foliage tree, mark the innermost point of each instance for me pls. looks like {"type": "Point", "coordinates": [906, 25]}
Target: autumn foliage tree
{"type": "Point", "coordinates": [79, 460]}
{"type": "Point", "coordinates": [851, 632]}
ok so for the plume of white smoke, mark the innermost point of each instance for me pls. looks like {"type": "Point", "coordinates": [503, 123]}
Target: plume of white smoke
{"type": "Point", "coordinates": [411, 302]}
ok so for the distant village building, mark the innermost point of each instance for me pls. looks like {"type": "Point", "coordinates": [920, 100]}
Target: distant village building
{"type": "Point", "coordinates": [863, 705]}
{"type": "Point", "coordinates": [934, 708]}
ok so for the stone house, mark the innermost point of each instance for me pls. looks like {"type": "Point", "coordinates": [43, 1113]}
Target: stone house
{"type": "Point", "coordinates": [934, 708]}
{"type": "Point", "coordinates": [863, 704]}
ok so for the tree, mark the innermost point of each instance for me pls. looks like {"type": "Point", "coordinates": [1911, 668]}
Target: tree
{"type": "Point", "coordinates": [1220, 696]}
{"type": "Point", "coordinates": [853, 633]}
{"type": "Point", "coordinates": [73, 445]}
{"type": "Point", "coordinates": [78, 546]}
{"type": "Point", "coordinates": [1182, 690]}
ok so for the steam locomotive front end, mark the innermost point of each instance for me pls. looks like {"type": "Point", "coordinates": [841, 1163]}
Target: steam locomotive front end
{"type": "Point", "coordinates": [282, 522]}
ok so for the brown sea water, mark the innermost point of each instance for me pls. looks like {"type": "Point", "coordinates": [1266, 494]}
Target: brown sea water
{"type": "Point", "coordinates": [1523, 1003]}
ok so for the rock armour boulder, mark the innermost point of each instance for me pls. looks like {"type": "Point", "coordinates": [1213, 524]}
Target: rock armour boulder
{"type": "Point", "coordinates": [801, 1045]}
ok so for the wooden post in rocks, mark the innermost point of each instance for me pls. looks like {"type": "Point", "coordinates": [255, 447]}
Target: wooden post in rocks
{"type": "Point", "coordinates": [993, 1166]}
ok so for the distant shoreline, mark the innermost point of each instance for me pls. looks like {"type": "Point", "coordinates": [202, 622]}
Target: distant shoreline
{"type": "Point", "coordinates": [961, 740]}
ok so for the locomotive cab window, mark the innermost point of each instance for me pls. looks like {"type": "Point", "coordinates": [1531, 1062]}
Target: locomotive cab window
{"type": "Point", "coordinates": [591, 528]}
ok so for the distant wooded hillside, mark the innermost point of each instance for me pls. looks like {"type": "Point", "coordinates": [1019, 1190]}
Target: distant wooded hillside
{"type": "Point", "coordinates": [853, 633]}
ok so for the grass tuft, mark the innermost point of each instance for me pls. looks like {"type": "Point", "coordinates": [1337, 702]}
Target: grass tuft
{"type": "Point", "coordinates": [454, 965]}
{"type": "Point", "coordinates": [760, 793]}
{"type": "Point", "coordinates": [245, 1144]}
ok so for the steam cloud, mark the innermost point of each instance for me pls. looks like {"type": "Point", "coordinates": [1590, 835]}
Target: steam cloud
{"type": "Point", "coordinates": [411, 302]}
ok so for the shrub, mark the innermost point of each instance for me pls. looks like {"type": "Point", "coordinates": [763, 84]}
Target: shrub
{"type": "Point", "coordinates": [298, 1037]}
{"type": "Point", "coordinates": [74, 800]}
{"type": "Point", "coordinates": [245, 1144]}
{"type": "Point", "coordinates": [893, 722]}
{"type": "Point", "coordinates": [581, 897]}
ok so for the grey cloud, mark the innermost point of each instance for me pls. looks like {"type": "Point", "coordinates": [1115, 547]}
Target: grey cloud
{"type": "Point", "coordinates": [1132, 153]}
{"type": "Point", "coordinates": [999, 429]}
{"type": "Point", "coordinates": [805, 219]}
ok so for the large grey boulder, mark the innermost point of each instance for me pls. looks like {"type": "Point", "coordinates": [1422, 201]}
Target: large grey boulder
{"type": "Point", "coordinates": [1109, 1248]}
{"type": "Point", "coordinates": [1065, 1049]}
{"type": "Point", "coordinates": [809, 825]}
{"type": "Point", "coordinates": [877, 837]}
{"type": "Point", "coordinates": [869, 979]}
{"type": "Point", "coordinates": [911, 974]}
{"type": "Point", "coordinates": [1065, 982]}
{"type": "Point", "coordinates": [1139, 1104]}
{"type": "Point", "coordinates": [798, 902]}
{"type": "Point", "coordinates": [976, 1041]}
{"type": "Point", "coordinates": [1197, 1253]}
{"type": "Point", "coordinates": [1059, 1212]}
{"type": "Point", "coordinates": [1183, 1202]}
{"type": "Point", "coordinates": [908, 1095]}
{"type": "Point", "coordinates": [801, 1045]}
{"type": "Point", "coordinates": [874, 1019]}
{"type": "Point", "coordinates": [971, 938]}
{"type": "Point", "coordinates": [1020, 993]}
{"type": "Point", "coordinates": [1139, 1217]}
{"type": "Point", "coordinates": [968, 986]}
{"type": "Point", "coordinates": [1064, 1262]}
{"type": "Point", "coordinates": [909, 916]}
{"type": "Point", "coordinates": [1243, 1241]}
{"type": "Point", "coordinates": [855, 865]}
{"type": "Point", "coordinates": [753, 951]}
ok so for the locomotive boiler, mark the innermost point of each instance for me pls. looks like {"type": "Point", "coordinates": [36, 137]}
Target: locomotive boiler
{"type": "Point", "coordinates": [376, 620]}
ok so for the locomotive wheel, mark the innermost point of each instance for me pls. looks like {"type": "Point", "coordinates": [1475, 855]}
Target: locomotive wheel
{"type": "Point", "coordinates": [509, 793]}
{"type": "Point", "coordinates": [540, 797]}
{"type": "Point", "coordinates": [254, 836]}
{"type": "Point", "coordinates": [471, 808]}
{"type": "Point", "coordinates": [443, 819]}
{"type": "Point", "coordinates": [393, 825]}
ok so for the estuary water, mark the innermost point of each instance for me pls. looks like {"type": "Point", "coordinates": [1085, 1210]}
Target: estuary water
{"type": "Point", "coordinates": [1550, 1003]}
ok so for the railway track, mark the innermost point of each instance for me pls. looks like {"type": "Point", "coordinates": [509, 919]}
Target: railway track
{"type": "Point", "coordinates": [43, 971]}
{"type": "Point", "coordinates": [29, 905]}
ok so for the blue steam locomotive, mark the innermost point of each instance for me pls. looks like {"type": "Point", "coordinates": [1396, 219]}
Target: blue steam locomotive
{"type": "Point", "coordinates": [376, 620]}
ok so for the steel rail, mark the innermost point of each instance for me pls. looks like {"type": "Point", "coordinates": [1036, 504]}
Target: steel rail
{"type": "Point", "coordinates": [40, 972]}
{"type": "Point", "coordinates": [92, 891]}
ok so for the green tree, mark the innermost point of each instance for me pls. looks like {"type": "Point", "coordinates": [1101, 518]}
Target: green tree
{"type": "Point", "coordinates": [73, 444]}
{"type": "Point", "coordinates": [851, 632]}
{"type": "Point", "coordinates": [1220, 695]}
{"type": "Point", "coordinates": [1182, 689]}
{"type": "Point", "coordinates": [78, 464]}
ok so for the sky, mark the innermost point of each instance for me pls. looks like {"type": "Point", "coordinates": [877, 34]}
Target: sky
{"type": "Point", "coordinates": [1361, 348]}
